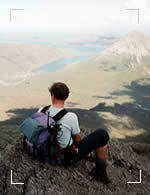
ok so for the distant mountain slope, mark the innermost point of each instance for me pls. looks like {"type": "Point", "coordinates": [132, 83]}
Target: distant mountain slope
{"type": "Point", "coordinates": [134, 43]}
{"type": "Point", "coordinates": [22, 57]}
{"type": "Point", "coordinates": [18, 58]}
{"type": "Point", "coordinates": [131, 51]}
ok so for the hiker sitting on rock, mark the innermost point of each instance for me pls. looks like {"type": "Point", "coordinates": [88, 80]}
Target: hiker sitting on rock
{"type": "Point", "coordinates": [70, 133]}
{"type": "Point", "coordinates": [52, 135]}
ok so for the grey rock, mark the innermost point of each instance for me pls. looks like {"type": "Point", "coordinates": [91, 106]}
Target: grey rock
{"type": "Point", "coordinates": [124, 164]}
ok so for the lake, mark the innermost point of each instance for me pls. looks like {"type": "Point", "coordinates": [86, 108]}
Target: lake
{"type": "Point", "coordinates": [60, 64]}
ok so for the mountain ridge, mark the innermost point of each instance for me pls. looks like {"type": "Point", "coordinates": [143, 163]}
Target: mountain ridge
{"type": "Point", "coordinates": [134, 43]}
{"type": "Point", "coordinates": [130, 52]}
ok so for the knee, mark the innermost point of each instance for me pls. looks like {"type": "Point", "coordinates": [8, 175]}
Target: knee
{"type": "Point", "coordinates": [104, 135]}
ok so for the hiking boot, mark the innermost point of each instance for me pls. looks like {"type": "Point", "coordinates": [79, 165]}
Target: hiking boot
{"type": "Point", "coordinates": [99, 171]}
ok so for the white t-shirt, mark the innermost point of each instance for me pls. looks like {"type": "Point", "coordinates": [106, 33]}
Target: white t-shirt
{"type": "Point", "coordinates": [69, 126]}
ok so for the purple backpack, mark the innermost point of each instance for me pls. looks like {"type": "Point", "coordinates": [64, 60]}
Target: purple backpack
{"type": "Point", "coordinates": [46, 148]}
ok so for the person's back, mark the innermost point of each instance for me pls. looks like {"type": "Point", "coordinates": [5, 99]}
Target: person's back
{"type": "Point", "coordinates": [69, 126]}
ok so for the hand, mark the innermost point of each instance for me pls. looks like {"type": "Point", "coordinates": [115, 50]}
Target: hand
{"type": "Point", "coordinates": [89, 155]}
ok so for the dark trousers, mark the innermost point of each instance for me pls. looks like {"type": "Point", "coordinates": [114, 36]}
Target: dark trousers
{"type": "Point", "coordinates": [91, 142]}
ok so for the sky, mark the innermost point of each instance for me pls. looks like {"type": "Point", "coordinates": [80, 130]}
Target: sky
{"type": "Point", "coordinates": [75, 15]}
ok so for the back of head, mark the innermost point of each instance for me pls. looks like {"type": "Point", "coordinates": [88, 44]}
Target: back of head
{"type": "Point", "coordinates": [59, 90]}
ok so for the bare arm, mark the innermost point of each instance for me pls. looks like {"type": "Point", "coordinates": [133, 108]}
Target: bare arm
{"type": "Point", "coordinates": [76, 138]}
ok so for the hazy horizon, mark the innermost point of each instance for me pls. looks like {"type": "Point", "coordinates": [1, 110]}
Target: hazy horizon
{"type": "Point", "coordinates": [95, 16]}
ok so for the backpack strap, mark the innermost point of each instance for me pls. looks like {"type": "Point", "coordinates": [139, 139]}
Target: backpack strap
{"type": "Point", "coordinates": [45, 109]}
{"type": "Point", "coordinates": [59, 115]}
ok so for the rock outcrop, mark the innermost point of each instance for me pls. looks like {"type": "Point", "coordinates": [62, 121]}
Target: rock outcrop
{"type": "Point", "coordinates": [124, 164]}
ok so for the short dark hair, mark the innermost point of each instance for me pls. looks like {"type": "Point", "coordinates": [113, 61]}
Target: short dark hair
{"type": "Point", "coordinates": [59, 90]}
